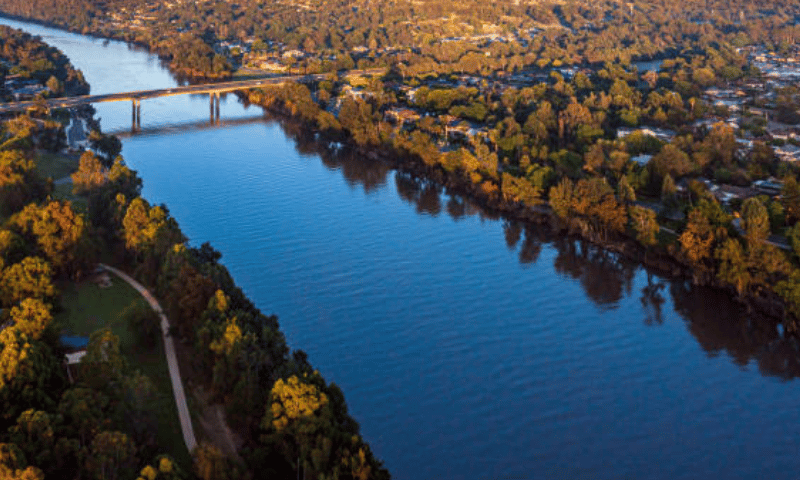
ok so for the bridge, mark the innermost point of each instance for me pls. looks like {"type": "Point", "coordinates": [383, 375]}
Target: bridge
{"type": "Point", "coordinates": [212, 89]}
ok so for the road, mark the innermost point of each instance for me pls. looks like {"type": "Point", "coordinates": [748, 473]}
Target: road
{"type": "Point", "coordinates": [172, 360]}
{"type": "Point", "coordinates": [221, 87]}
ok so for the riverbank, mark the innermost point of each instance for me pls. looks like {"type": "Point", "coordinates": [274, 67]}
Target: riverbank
{"type": "Point", "coordinates": [660, 257]}
{"type": "Point", "coordinates": [184, 73]}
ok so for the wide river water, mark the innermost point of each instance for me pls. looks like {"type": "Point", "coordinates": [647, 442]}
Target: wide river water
{"type": "Point", "coordinates": [467, 346]}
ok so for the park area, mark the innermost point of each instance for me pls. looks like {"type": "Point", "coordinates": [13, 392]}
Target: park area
{"type": "Point", "coordinates": [104, 300]}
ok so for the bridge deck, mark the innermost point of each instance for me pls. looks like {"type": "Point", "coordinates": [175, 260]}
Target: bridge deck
{"type": "Point", "coordinates": [164, 92]}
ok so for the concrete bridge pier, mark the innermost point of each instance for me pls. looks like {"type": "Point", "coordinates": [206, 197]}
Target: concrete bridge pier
{"type": "Point", "coordinates": [136, 115]}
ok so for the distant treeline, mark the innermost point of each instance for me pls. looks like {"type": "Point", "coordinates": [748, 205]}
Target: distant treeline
{"type": "Point", "coordinates": [424, 35]}
{"type": "Point", "coordinates": [28, 58]}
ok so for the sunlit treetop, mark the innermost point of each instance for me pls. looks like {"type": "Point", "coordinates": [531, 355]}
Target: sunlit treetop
{"type": "Point", "coordinates": [293, 399]}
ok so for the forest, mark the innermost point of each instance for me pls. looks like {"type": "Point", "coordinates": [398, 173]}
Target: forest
{"type": "Point", "coordinates": [546, 149]}
{"type": "Point", "coordinates": [424, 35]}
{"type": "Point", "coordinates": [27, 58]}
{"type": "Point", "coordinates": [551, 150]}
{"type": "Point", "coordinates": [102, 421]}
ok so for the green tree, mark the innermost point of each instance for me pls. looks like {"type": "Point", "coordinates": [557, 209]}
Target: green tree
{"type": "Point", "coordinates": [643, 221]}
{"type": "Point", "coordinates": [210, 463]}
{"type": "Point", "coordinates": [32, 277]}
{"type": "Point", "coordinates": [112, 456]}
{"type": "Point", "coordinates": [91, 174]}
{"type": "Point", "coordinates": [733, 265]}
{"type": "Point", "coordinates": [142, 224]}
{"type": "Point", "coordinates": [60, 233]}
{"type": "Point", "coordinates": [755, 219]}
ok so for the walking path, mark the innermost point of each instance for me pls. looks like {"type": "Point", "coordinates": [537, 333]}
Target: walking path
{"type": "Point", "coordinates": [172, 360]}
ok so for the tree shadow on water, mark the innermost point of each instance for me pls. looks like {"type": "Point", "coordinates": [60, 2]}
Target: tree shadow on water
{"type": "Point", "coordinates": [721, 325]}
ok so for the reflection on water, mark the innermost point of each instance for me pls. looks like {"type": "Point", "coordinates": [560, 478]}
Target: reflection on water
{"type": "Point", "coordinates": [186, 127]}
{"type": "Point", "coordinates": [468, 346]}
{"type": "Point", "coordinates": [721, 325]}
{"type": "Point", "coordinates": [717, 323]}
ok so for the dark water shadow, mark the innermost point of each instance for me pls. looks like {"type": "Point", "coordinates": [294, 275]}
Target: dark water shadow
{"type": "Point", "coordinates": [188, 127]}
{"type": "Point", "coordinates": [719, 324]}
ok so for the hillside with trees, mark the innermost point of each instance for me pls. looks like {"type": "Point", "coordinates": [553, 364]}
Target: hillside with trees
{"type": "Point", "coordinates": [209, 37]}
{"type": "Point", "coordinates": [25, 58]}
{"type": "Point", "coordinates": [102, 419]}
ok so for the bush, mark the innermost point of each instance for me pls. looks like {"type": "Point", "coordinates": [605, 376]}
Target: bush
{"type": "Point", "coordinates": [143, 322]}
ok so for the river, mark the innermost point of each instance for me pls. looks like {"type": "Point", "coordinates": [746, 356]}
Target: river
{"type": "Point", "coordinates": [467, 346]}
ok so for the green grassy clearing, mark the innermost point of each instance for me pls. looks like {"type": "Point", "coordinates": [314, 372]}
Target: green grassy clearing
{"type": "Point", "coordinates": [55, 165]}
{"type": "Point", "coordinates": [665, 238]}
{"type": "Point", "coordinates": [63, 191]}
{"type": "Point", "coordinates": [87, 308]}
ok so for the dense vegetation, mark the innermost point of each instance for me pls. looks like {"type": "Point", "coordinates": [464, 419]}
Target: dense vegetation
{"type": "Point", "coordinates": [551, 148]}
{"type": "Point", "coordinates": [103, 425]}
{"type": "Point", "coordinates": [425, 35]}
{"type": "Point", "coordinates": [26, 57]}
{"type": "Point", "coordinates": [542, 147]}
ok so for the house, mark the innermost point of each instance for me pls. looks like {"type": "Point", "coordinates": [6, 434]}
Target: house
{"type": "Point", "coordinates": [660, 133]}
{"type": "Point", "coordinates": [76, 350]}
{"type": "Point", "coordinates": [788, 153]}
{"type": "Point", "coordinates": [402, 116]}
{"type": "Point", "coordinates": [769, 187]}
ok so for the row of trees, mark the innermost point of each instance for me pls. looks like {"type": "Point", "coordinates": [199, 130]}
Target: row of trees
{"type": "Point", "coordinates": [433, 35]}
{"type": "Point", "coordinates": [239, 351]}
{"type": "Point", "coordinates": [104, 424]}
{"type": "Point", "coordinates": [553, 143]}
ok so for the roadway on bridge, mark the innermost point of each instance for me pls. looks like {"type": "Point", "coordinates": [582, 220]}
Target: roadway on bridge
{"type": "Point", "coordinates": [222, 87]}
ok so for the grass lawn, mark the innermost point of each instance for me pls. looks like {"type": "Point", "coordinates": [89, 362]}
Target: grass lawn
{"type": "Point", "coordinates": [87, 308]}
{"type": "Point", "coordinates": [665, 238]}
{"type": "Point", "coordinates": [55, 165]}
{"type": "Point", "coordinates": [63, 191]}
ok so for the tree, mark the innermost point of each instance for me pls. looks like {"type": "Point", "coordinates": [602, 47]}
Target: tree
{"type": "Point", "coordinates": [790, 197]}
{"type": "Point", "coordinates": [668, 189]}
{"type": "Point", "coordinates": [90, 175]}
{"type": "Point", "coordinates": [19, 182]}
{"type": "Point", "coordinates": [755, 219]}
{"type": "Point", "coordinates": [671, 160]}
{"type": "Point", "coordinates": [138, 406]}
{"type": "Point", "coordinates": [594, 199]}
{"type": "Point", "coordinates": [294, 399]}
{"type": "Point", "coordinates": [625, 191]}
{"type": "Point", "coordinates": [561, 197]}
{"type": "Point", "coordinates": [697, 240]}
{"type": "Point", "coordinates": [112, 456]}
{"type": "Point", "coordinates": [733, 265]}
{"type": "Point", "coordinates": [34, 435]}
{"type": "Point", "coordinates": [142, 224]}
{"type": "Point", "coordinates": [29, 278]}
{"type": "Point", "coordinates": [643, 221]}
{"type": "Point", "coordinates": [108, 145]}
{"type": "Point", "coordinates": [84, 413]}
{"type": "Point", "coordinates": [210, 463]}
{"type": "Point", "coordinates": [55, 86]}
{"type": "Point", "coordinates": [12, 462]}
{"type": "Point", "coordinates": [520, 190]}
{"type": "Point", "coordinates": [103, 363]}
{"type": "Point", "coordinates": [60, 234]}
{"type": "Point", "coordinates": [31, 318]}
